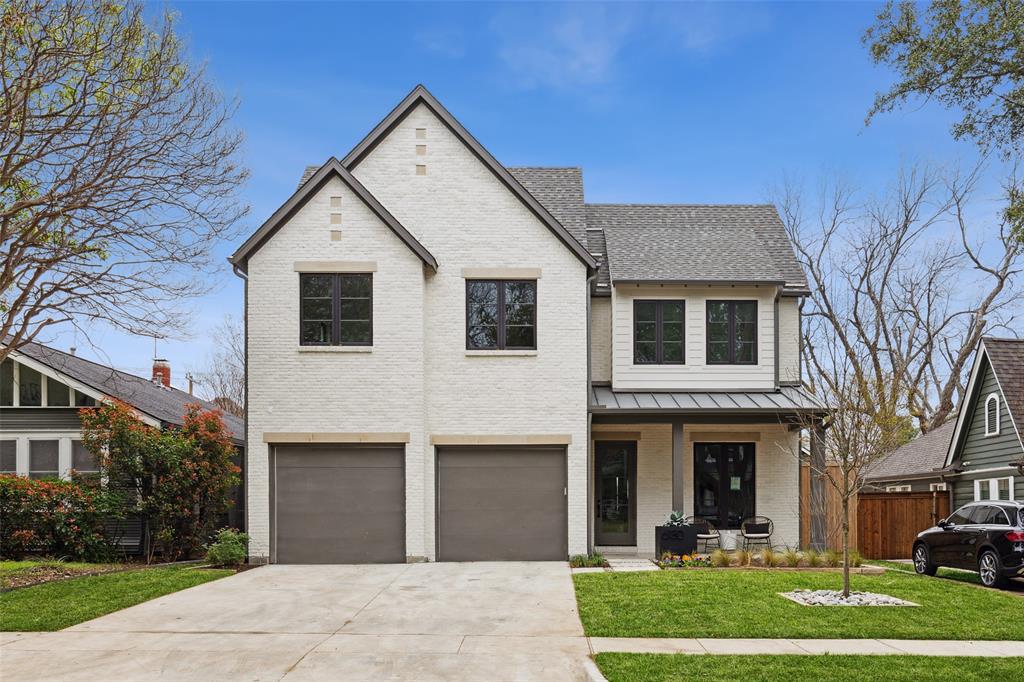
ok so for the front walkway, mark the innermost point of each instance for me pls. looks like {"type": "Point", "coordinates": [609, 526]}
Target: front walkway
{"type": "Point", "coordinates": [918, 647]}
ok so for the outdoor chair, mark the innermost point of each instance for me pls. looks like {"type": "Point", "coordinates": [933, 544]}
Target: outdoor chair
{"type": "Point", "coordinates": [706, 532]}
{"type": "Point", "coordinates": [757, 530]}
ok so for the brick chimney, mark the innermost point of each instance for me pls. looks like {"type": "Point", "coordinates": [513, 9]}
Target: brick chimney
{"type": "Point", "coordinates": [161, 372]}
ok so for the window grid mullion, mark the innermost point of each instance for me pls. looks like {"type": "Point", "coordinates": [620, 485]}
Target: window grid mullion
{"type": "Point", "coordinates": [336, 309]}
{"type": "Point", "coordinates": [732, 331]}
{"type": "Point", "coordinates": [659, 338]}
{"type": "Point", "coordinates": [501, 314]}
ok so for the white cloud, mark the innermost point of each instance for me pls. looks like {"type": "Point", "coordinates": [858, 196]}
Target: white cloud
{"type": "Point", "coordinates": [582, 44]}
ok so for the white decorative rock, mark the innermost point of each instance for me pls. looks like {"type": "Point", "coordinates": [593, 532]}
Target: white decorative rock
{"type": "Point", "coordinates": [835, 598]}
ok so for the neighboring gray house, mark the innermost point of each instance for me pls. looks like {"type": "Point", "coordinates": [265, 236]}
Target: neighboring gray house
{"type": "Point", "coordinates": [450, 359]}
{"type": "Point", "coordinates": [915, 467]}
{"type": "Point", "coordinates": [41, 392]}
{"type": "Point", "coordinates": [986, 455]}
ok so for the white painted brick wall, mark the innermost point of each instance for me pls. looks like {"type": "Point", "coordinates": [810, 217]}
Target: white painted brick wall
{"type": "Point", "coordinates": [466, 218]}
{"type": "Point", "coordinates": [293, 390]}
{"type": "Point", "coordinates": [777, 488]}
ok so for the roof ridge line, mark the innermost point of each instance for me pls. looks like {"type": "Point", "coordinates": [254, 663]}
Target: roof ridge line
{"type": "Point", "coordinates": [633, 205]}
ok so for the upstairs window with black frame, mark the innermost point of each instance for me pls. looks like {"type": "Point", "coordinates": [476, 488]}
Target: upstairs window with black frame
{"type": "Point", "coordinates": [723, 478]}
{"type": "Point", "coordinates": [501, 314]}
{"type": "Point", "coordinates": [336, 309]}
{"type": "Point", "coordinates": [732, 332]}
{"type": "Point", "coordinates": [658, 332]}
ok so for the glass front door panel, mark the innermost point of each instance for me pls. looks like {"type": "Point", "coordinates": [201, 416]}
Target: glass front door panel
{"type": "Point", "coordinates": [615, 470]}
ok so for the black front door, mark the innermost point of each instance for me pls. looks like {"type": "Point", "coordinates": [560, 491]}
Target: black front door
{"type": "Point", "coordinates": [615, 492]}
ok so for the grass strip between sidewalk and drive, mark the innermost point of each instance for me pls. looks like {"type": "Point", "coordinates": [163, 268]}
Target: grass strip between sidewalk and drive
{"type": "Point", "coordinates": [712, 603]}
{"type": "Point", "coordinates": [61, 604]}
{"type": "Point", "coordinates": [834, 668]}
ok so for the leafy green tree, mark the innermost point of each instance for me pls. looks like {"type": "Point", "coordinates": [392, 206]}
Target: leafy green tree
{"type": "Point", "coordinates": [118, 169]}
{"type": "Point", "coordinates": [968, 55]}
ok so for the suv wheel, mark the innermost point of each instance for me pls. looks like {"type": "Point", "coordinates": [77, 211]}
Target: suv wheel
{"type": "Point", "coordinates": [990, 570]}
{"type": "Point", "coordinates": [922, 562]}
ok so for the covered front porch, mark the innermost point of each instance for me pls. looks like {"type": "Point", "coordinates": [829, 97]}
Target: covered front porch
{"type": "Point", "coordinates": [720, 457]}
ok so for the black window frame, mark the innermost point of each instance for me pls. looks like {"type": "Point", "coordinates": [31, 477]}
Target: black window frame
{"type": "Point", "coordinates": [336, 300]}
{"type": "Point", "coordinates": [501, 337]}
{"type": "Point", "coordinates": [731, 303]}
{"type": "Point", "coordinates": [723, 483]}
{"type": "Point", "coordinates": [659, 330]}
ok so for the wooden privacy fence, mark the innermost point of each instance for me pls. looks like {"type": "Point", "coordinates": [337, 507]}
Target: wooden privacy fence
{"type": "Point", "coordinates": [889, 522]}
{"type": "Point", "coordinates": [833, 512]}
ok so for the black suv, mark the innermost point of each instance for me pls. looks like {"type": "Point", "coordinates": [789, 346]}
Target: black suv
{"type": "Point", "coordinates": [987, 537]}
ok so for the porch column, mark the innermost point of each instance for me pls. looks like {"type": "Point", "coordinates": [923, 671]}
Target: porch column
{"type": "Point", "coordinates": [677, 466]}
{"type": "Point", "coordinates": [817, 484]}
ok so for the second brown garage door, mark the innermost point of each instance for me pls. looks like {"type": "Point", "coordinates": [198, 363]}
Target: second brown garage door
{"type": "Point", "coordinates": [501, 504]}
{"type": "Point", "coordinates": [339, 504]}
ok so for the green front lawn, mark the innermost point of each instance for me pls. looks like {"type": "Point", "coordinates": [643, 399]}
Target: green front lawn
{"type": "Point", "coordinates": [61, 604]}
{"type": "Point", "coordinates": [738, 604]}
{"type": "Point", "coordinates": [20, 573]}
{"type": "Point", "coordinates": [950, 573]}
{"type": "Point", "coordinates": [662, 667]}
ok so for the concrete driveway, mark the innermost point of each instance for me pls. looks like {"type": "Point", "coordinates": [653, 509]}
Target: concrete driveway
{"type": "Point", "coordinates": [469, 621]}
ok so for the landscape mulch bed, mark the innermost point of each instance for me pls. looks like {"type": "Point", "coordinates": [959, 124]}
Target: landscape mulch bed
{"type": "Point", "coordinates": [52, 572]}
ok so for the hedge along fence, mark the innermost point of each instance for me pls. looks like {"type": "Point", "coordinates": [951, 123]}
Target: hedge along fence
{"type": "Point", "coordinates": [54, 518]}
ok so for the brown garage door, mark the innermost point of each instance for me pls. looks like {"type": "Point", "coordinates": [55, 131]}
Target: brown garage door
{"type": "Point", "coordinates": [339, 504]}
{"type": "Point", "coordinates": [501, 504]}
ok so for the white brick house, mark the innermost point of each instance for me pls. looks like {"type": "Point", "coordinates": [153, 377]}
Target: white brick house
{"type": "Point", "coordinates": [450, 360]}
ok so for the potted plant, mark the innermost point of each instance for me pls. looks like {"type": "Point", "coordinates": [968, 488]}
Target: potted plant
{"type": "Point", "coordinates": [676, 536]}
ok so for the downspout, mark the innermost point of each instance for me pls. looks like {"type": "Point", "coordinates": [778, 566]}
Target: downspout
{"type": "Point", "coordinates": [245, 408]}
{"type": "Point", "coordinates": [778, 294]}
{"type": "Point", "coordinates": [590, 464]}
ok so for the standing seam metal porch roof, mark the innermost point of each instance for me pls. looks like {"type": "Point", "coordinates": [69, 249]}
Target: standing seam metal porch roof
{"type": "Point", "coordinates": [786, 399]}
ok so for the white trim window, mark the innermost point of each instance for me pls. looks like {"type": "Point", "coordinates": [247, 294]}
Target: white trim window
{"type": "Point", "coordinates": [992, 415]}
{"type": "Point", "coordinates": [937, 487]}
{"type": "Point", "coordinates": [897, 488]}
{"type": "Point", "coordinates": [993, 489]}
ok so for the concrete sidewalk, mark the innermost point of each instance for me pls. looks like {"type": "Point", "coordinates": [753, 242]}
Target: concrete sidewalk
{"type": "Point", "coordinates": [806, 647]}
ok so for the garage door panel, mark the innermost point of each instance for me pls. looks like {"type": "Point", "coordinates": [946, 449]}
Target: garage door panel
{"type": "Point", "coordinates": [499, 504]}
{"type": "Point", "coordinates": [339, 504]}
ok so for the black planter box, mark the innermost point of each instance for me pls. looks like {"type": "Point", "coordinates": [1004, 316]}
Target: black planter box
{"type": "Point", "coordinates": [675, 539]}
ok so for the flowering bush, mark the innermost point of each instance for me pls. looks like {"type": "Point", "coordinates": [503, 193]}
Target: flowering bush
{"type": "Point", "coordinates": [54, 518]}
{"type": "Point", "coordinates": [178, 480]}
{"type": "Point", "coordinates": [684, 560]}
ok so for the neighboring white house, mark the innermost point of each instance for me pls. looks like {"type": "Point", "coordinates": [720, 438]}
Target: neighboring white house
{"type": "Point", "coordinates": [449, 359]}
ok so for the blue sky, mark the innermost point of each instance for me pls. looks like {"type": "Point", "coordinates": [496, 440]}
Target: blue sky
{"type": "Point", "coordinates": [657, 103]}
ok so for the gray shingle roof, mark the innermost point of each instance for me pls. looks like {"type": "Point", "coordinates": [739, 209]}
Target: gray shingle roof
{"type": "Point", "coordinates": [921, 456]}
{"type": "Point", "coordinates": [788, 399]}
{"type": "Point", "coordinates": [560, 190]}
{"type": "Point", "coordinates": [1007, 358]}
{"type": "Point", "coordinates": [167, 404]}
{"type": "Point", "coordinates": [678, 242]}
{"type": "Point", "coordinates": [307, 174]}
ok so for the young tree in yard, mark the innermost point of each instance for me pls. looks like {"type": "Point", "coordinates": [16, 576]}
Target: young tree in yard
{"type": "Point", "coordinates": [223, 379]}
{"type": "Point", "coordinates": [902, 290]}
{"type": "Point", "coordinates": [177, 480]}
{"type": "Point", "coordinates": [966, 55]}
{"type": "Point", "coordinates": [118, 170]}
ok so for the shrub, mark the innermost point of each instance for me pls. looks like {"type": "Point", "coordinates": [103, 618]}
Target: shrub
{"type": "Point", "coordinates": [54, 518]}
{"type": "Point", "coordinates": [813, 558]}
{"type": "Point", "coordinates": [228, 549]}
{"type": "Point", "coordinates": [770, 558]}
{"type": "Point", "coordinates": [791, 558]}
{"type": "Point", "coordinates": [855, 558]}
{"type": "Point", "coordinates": [743, 557]}
{"type": "Point", "coordinates": [587, 561]}
{"type": "Point", "coordinates": [179, 480]}
{"type": "Point", "coordinates": [720, 559]}
{"type": "Point", "coordinates": [832, 558]}
{"type": "Point", "coordinates": [684, 561]}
